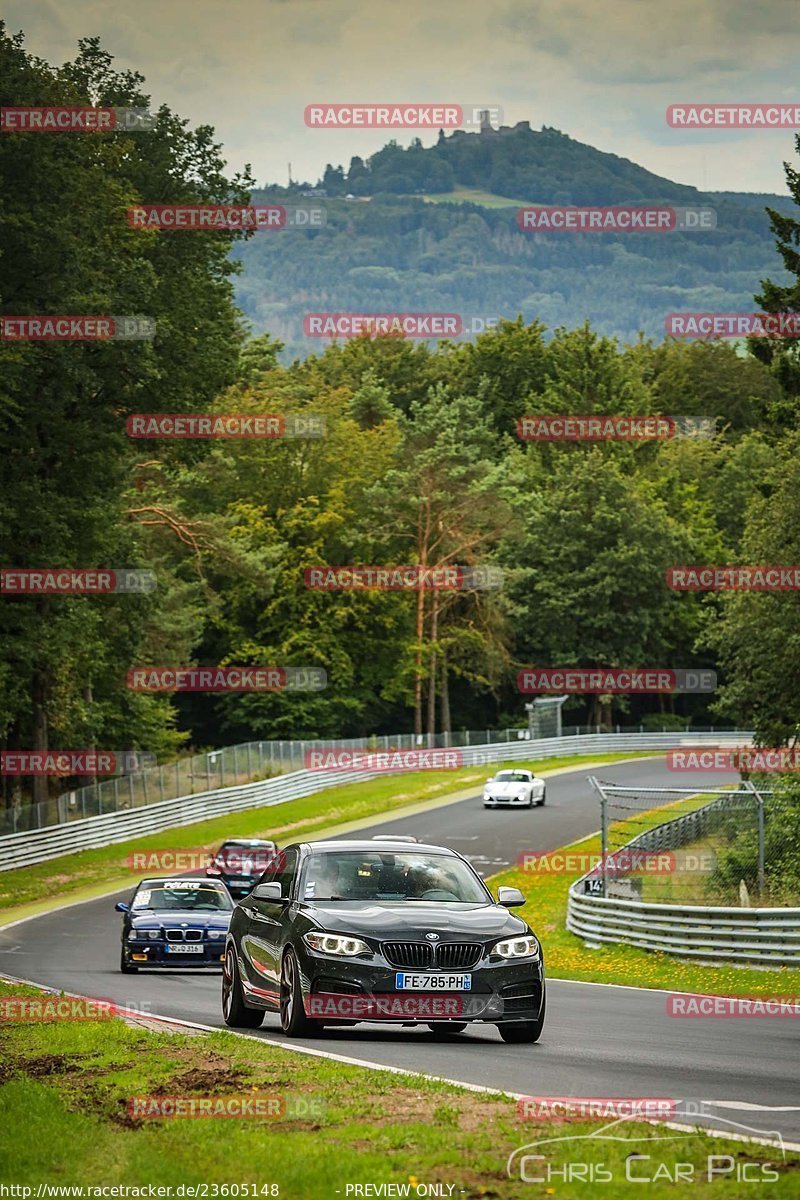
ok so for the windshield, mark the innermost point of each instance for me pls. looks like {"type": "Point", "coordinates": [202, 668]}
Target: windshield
{"type": "Point", "coordinates": [246, 860]}
{"type": "Point", "coordinates": [182, 896]}
{"type": "Point", "coordinates": [512, 777]}
{"type": "Point", "coordinates": [389, 876]}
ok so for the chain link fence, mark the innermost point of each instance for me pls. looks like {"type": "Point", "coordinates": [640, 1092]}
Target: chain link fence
{"type": "Point", "coordinates": [690, 857]}
{"type": "Point", "coordinates": [252, 761]}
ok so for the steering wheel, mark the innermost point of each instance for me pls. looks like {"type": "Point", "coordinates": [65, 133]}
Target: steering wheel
{"type": "Point", "coordinates": [438, 894]}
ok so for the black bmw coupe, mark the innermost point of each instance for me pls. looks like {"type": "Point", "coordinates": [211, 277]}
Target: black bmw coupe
{"type": "Point", "coordinates": [340, 932]}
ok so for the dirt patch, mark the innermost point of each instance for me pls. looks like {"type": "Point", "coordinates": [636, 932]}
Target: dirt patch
{"type": "Point", "coordinates": [40, 1066]}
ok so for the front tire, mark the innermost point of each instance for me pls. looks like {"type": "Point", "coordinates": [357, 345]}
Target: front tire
{"type": "Point", "coordinates": [524, 1031]}
{"type": "Point", "coordinates": [124, 965]}
{"type": "Point", "coordinates": [541, 802]}
{"type": "Point", "coordinates": [234, 1011]}
{"type": "Point", "coordinates": [294, 1021]}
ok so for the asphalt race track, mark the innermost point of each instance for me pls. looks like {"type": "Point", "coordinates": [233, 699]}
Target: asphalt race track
{"type": "Point", "coordinates": [598, 1041]}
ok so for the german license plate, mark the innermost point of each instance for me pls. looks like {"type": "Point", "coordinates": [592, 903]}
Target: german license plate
{"type": "Point", "coordinates": [405, 981]}
{"type": "Point", "coordinates": [184, 949]}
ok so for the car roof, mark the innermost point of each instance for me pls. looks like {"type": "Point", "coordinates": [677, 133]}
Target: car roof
{"type": "Point", "coordinates": [248, 842]}
{"type": "Point", "coordinates": [195, 879]}
{"type": "Point", "coordinates": [381, 846]}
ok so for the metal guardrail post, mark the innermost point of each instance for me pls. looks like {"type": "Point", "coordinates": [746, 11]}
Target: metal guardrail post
{"type": "Point", "coordinates": [762, 882]}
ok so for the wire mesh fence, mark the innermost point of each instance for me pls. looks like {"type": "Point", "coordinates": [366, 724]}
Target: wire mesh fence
{"type": "Point", "coordinates": [252, 761]}
{"type": "Point", "coordinates": [680, 846]}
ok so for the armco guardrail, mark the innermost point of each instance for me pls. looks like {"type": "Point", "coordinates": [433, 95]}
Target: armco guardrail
{"type": "Point", "coordinates": [25, 849]}
{"type": "Point", "coordinates": [769, 936]}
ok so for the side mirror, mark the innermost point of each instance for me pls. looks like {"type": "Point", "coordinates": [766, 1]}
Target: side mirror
{"type": "Point", "coordinates": [267, 891]}
{"type": "Point", "coordinates": [510, 897]}
{"type": "Point", "coordinates": [121, 906]}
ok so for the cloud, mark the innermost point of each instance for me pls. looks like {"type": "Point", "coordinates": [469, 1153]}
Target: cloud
{"type": "Point", "coordinates": [602, 70]}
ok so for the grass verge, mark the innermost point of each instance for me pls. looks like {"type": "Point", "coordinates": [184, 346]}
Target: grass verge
{"type": "Point", "coordinates": [66, 1120]}
{"type": "Point", "coordinates": [568, 957]}
{"type": "Point", "coordinates": [91, 872]}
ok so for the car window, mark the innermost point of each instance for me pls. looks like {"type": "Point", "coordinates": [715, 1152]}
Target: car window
{"type": "Point", "coordinates": [181, 895]}
{"type": "Point", "coordinates": [244, 860]}
{"type": "Point", "coordinates": [380, 875]}
{"type": "Point", "coordinates": [512, 777]}
{"type": "Point", "coordinates": [282, 870]}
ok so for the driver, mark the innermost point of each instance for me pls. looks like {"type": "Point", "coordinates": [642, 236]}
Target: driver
{"type": "Point", "coordinates": [418, 880]}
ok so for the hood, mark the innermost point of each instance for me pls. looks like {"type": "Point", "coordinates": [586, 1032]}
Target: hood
{"type": "Point", "coordinates": [411, 920]}
{"type": "Point", "coordinates": [506, 789]}
{"type": "Point", "coordinates": [155, 919]}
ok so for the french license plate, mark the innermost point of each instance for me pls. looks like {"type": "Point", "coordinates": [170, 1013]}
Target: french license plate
{"type": "Point", "coordinates": [405, 981]}
{"type": "Point", "coordinates": [184, 949]}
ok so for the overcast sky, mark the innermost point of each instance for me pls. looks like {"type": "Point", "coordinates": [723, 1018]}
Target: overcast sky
{"type": "Point", "coordinates": [603, 71]}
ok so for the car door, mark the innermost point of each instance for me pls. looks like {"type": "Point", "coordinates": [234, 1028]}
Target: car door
{"type": "Point", "coordinates": [267, 926]}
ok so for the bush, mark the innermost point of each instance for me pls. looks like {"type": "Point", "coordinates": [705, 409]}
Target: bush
{"type": "Point", "coordinates": [668, 722]}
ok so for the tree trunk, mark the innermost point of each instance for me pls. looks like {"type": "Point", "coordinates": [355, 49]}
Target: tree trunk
{"type": "Point", "coordinates": [432, 673]}
{"type": "Point", "coordinates": [40, 788]}
{"type": "Point", "coordinates": [88, 695]}
{"type": "Point", "coordinates": [418, 664]}
{"type": "Point", "coordinates": [446, 723]}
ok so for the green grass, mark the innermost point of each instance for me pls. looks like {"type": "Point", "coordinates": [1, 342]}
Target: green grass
{"type": "Point", "coordinates": [91, 872]}
{"type": "Point", "coordinates": [567, 956]}
{"type": "Point", "coordinates": [64, 1120]}
{"type": "Point", "coordinates": [475, 196]}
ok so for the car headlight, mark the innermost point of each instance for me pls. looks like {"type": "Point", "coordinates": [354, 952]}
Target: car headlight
{"type": "Point", "coordinates": [521, 947]}
{"type": "Point", "coordinates": [154, 933]}
{"type": "Point", "coordinates": [330, 943]}
{"type": "Point", "coordinates": [216, 933]}
{"type": "Point", "coordinates": [522, 796]}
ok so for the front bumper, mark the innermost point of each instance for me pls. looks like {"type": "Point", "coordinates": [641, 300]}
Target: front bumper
{"type": "Point", "coordinates": [502, 992]}
{"type": "Point", "coordinates": [507, 801]}
{"type": "Point", "coordinates": [156, 954]}
{"type": "Point", "coordinates": [237, 888]}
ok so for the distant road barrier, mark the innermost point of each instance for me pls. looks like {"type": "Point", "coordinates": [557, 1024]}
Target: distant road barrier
{"type": "Point", "coordinates": [40, 845]}
{"type": "Point", "coordinates": [716, 933]}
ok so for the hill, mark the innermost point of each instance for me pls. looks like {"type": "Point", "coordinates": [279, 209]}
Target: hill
{"type": "Point", "coordinates": [436, 231]}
